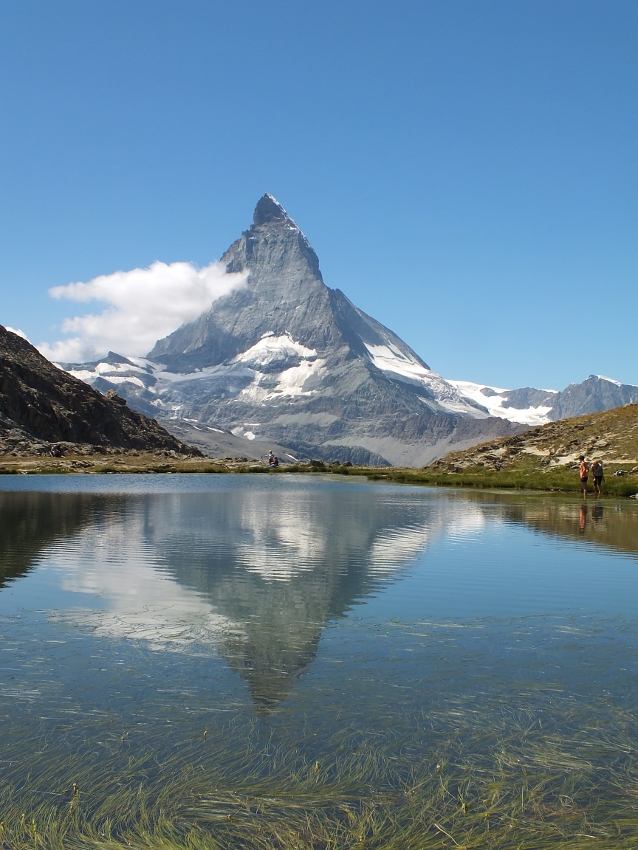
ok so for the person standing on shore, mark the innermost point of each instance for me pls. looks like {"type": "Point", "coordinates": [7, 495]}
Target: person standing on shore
{"type": "Point", "coordinates": [584, 474]}
{"type": "Point", "coordinates": [597, 472]}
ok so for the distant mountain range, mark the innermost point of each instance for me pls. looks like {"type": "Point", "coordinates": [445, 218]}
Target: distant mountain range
{"type": "Point", "coordinates": [286, 360]}
{"type": "Point", "coordinates": [531, 406]}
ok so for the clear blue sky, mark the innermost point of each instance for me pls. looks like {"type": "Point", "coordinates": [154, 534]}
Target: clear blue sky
{"type": "Point", "coordinates": [466, 171]}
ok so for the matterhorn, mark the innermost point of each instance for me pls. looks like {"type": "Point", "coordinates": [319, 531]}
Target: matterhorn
{"type": "Point", "coordinates": [285, 360]}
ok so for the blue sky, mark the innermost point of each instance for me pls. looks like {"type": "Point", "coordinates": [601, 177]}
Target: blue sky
{"type": "Point", "coordinates": [466, 171]}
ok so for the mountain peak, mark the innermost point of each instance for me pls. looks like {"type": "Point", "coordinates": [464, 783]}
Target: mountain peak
{"type": "Point", "coordinates": [269, 209]}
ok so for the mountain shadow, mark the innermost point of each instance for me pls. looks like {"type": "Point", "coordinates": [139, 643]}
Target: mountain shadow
{"type": "Point", "coordinates": [31, 523]}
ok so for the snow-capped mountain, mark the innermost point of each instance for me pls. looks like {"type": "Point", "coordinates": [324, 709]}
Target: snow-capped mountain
{"type": "Point", "coordinates": [530, 406]}
{"type": "Point", "coordinates": [286, 359]}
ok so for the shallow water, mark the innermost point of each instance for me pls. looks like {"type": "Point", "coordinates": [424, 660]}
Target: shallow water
{"type": "Point", "coordinates": [261, 647]}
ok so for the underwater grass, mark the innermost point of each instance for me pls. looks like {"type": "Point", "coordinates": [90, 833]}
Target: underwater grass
{"type": "Point", "coordinates": [466, 774]}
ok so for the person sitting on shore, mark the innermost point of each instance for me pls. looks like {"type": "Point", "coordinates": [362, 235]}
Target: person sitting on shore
{"type": "Point", "coordinates": [597, 472]}
{"type": "Point", "coordinates": [584, 474]}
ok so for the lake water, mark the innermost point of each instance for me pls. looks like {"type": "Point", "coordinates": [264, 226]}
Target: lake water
{"type": "Point", "coordinates": [282, 661]}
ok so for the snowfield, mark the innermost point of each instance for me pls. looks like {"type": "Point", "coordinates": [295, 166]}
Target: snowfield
{"type": "Point", "coordinates": [297, 370]}
{"type": "Point", "coordinates": [271, 348]}
{"type": "Point", "coordinates": [444, 396]}
{"type": "Point", "coordinates": [494, 403]}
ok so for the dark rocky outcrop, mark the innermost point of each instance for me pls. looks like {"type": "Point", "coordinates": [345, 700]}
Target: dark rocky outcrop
{"type": "Point", "coordinates": [40, 403]}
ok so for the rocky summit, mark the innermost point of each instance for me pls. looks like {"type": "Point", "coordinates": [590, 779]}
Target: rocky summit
{"type": "Point", "coordinates": [285, 359]}
{"type": "Point", "coordinates": [41, 404]}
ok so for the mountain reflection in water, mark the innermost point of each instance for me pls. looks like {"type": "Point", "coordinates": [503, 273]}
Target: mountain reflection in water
{"type": "Point", "coordinates": [233, 658]}
{"type": "Point", "coordinates": [32, 522]}
{"type": "Point", "coordinates": [279, 564]}
{"type": "Point", "coordinates": [253, 570]}
{"type": "Point", "coordinates": [253, 574]}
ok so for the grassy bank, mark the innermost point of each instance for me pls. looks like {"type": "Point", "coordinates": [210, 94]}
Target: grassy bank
{"type": "Point", "coordinates": [558, 480]}
{"type": "Point", "coordinates": [125, 462]}
{"type": "Point", "coordinates": [544, 458]}
{"type": "Point", "coordinates": [524, 476]}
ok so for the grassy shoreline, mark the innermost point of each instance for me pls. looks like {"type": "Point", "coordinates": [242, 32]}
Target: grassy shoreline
{"type": "Point", "coordinates": [561, 480]}
{"type": "Point", "coordinates": [527, 478]}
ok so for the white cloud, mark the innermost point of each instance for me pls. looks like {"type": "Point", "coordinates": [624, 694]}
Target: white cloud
{"type": "Point", "coordinates": [17, 331]}
{"type": "Point", "coordinates": [144, 305]}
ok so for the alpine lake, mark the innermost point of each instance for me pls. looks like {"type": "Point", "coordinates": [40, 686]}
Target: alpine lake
{"type": "Point", "coordinates": [269, 661]}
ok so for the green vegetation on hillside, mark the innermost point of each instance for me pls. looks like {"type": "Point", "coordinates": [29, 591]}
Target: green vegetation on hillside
{"type": "Point", "coordinates": [559, 480]}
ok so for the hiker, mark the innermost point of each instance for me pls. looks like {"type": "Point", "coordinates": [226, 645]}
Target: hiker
{"type": "Point", "coordinates": [273, 460]}
{"type": "Point", "coordinates": [597, 472]}
{"type": "Point", "coordinates": [584, 474]}
{"type": "Point", "coordinates": [56, 450]}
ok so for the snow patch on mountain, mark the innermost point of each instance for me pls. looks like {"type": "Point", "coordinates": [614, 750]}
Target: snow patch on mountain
{"type": "Point", "coordinates": [441, 395]}
{"type": "Point", "coordinates": [389, 358]}
{"type": "Point", "coordinates": [271, 348]}
{"type": "Point", "coordinates": [275, 367]}
{"type": "Point", "coordinates": [303, 378]}
{"type": "Point", "coordinates": [125, 379]}
{"type": "Point", "coordinates": [243, 431]}
{"type": "Point", "coordinates": [611, 380]}
{"type": "Point", "coordinates": [493, 398]}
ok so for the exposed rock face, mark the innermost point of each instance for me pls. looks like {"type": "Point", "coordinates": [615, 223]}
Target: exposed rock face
{"type": "Point", "coordinates": [39, 402]}
{"type": "Point", "coordinates": [286, 359]}
{"type": "Point", "coordinates": [593, 395]}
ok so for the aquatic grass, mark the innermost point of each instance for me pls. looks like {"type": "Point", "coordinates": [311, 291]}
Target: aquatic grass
{"type": "Point", "coordinates": [497, 775]}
